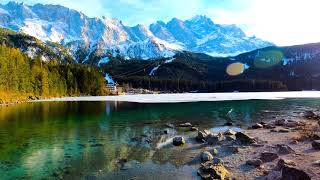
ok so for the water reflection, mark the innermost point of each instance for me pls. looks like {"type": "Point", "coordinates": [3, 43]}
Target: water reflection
{"type": "Point", "coordinates": [38, 140]}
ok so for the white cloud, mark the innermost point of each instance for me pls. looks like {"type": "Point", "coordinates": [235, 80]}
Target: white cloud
{"type": "Point", "coordinates": [285, 22]}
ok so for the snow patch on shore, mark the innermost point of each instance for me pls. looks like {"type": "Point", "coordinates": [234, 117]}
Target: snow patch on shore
{"type": "Point", "coordinates": [194, 97]}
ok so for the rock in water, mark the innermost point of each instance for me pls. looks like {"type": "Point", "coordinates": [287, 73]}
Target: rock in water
{"type": "Point", "coordinates": [242, 137]}
{"type": "Point", "coordinates": [291, 173]}
{"type": "Point", "coordinates": [193, 129]}
{"type": "Point", "coordinates": [186, 125]}
{"type": "Point", "coordinates": [257, 126]}
{"type": "Point", "coordinates": [268, 156]}
{"type": "Point", "coordinates": [178, 141]}
{"type": "Point", "coordinates": [201, 136]}
{"type": "Point", "coordinates": [206, 156]}
{"type": "Point", "coordinates": [254, 162]}
{"type": "Point", "coordinates": [316, 144]}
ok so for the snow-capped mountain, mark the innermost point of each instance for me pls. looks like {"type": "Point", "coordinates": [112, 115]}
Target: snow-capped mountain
{"type": "Point", "coordinates": [94, 38]}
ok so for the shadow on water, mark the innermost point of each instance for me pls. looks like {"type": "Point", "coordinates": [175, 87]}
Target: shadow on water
{"type": "Point", "coordinates": [77, 139]}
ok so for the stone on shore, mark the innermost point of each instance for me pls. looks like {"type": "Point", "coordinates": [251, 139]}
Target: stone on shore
{"type": "Point", "coordinates": [178, 141]}
{"type": "Point", "coordinates": [316, 144]}
{"type": "Point", "coordinates": [257, 126]}
{"type": "Point", "coordinates": [292, 173]}
{"type": "Point", "coordinates": [254, 162]}
{"type": "Point", "coordinates": [206, 156]}
{"type": "Point", "coordinates": [244, 138]}
{"type": "Point", "coordinates": [280, 122]}
{"type": "Point", "coordinates": [310, 115]}
{"type": "Point", "coordinates": [212, 139]}
{"type": "Point", "coordinates": [230, 132]}
{"type": "Point", "coordinates": [284, 162]}
{"type": "Point", "coordinates": [268, 156]}
{"type": "Point", "coordinates": [193, 129]}
{"type": "Point", "coordinates": [284, 149]}
{"type": "Point", "coordinates": [210, 170]}
{"type": "Point", "coordinates": [202, 135]}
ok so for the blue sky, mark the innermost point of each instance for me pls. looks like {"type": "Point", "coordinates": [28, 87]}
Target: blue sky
{"type": "Point", "coordinates": [284, 22]}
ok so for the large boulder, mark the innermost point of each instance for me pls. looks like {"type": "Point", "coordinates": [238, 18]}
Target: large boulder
{"type": "Point", "coordinates": [292, 173]}
{"type": "Point", "coordinates": [268, 156]}
{"type": "Point", "coordinates": [206, 156]}
{"type": "Point", "coordinates": [178, 141]}
{"type": "Point", "coordinates": [316, 144]}
{"type": "Point", "coordinates": [209, 170]}
{"type": "Point", "coordinates": [244, 138]}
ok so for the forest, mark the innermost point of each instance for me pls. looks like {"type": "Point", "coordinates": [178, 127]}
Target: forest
{"type": "Point", "coordinates": [22, 77]}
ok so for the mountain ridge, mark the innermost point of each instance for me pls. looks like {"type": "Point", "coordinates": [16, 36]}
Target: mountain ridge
{"type": "Point", "coordinates": [111, 37]}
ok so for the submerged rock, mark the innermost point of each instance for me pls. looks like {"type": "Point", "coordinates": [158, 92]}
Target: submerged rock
{"type": "Point", "coordinates": [206, 156]}
{"type": "Point", "coordinates": [244, 138]}
{"type": "Point", "coordinates": [268, 156]}
{"type": "Point", "coordinates": [178, 141]}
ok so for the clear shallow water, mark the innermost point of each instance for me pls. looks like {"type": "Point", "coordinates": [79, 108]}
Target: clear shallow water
{"type": "Point", "coordinates": [88, 139]}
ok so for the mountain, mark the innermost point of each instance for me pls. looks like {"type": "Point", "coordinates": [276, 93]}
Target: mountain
{"type": "Point", "coordinates": [267, 69]}
{"type": "Point", "coordinates": [93, 39]}
{"type": "Point", "coordinates": [200, 34]}
{"type": "Point", "coordinates": [35, 48]}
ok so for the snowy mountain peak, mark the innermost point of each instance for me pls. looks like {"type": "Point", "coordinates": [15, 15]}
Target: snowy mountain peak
{"type": "Point", "coordinates": [109, 36]}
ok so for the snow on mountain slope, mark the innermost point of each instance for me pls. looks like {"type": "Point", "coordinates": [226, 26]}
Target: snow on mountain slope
{"type": "Point", "coordinates": [91, 37]}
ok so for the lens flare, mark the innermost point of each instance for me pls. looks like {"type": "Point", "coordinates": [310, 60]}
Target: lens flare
{"type": "Point", "coordinates": [235, 69]}
{"type": "Point", "coordinates": [268, 59]}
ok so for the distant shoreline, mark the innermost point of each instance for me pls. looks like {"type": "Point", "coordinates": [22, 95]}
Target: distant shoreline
{"type": "Point", "coordinates": [192, 97]}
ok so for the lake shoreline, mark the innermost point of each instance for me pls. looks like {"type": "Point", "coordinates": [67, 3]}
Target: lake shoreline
{"type": "Point", "coordinates": [280, 148]}
{"type": "Point", "coordinates": [191, 97]}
